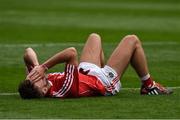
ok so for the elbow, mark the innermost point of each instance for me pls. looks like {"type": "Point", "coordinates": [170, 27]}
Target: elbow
{"type": "Point", "coordinates": [26, 52]}
{"type": "Point", "coordinates": [73, 51]}
{"type": "Point", "coordinates": [72, 56]}
{"type": "Point", "coordinates": [28, 49]}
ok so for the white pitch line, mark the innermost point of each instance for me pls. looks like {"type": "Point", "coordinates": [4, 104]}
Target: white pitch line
{"type": "Point", "coordinates": [78, 44]}
{"type": "Point", "coordinates": [41, 45]}
{"type": "Point", "coordinates": [6, 94]}
{"type": "Point", "coordinates": [178, 87]}
{"type": "Point", "coordinates": [16, 93]}
{"type": "Point", "coordinates": [161, 43]}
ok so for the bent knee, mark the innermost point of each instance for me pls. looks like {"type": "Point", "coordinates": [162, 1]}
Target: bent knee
{"type": "Point", "coordinates": [94, 36]}
{"type": "Point", "coordinates": [131, 39]}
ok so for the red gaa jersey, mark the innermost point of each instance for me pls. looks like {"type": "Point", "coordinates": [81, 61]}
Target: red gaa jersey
{"type": "Point", "coordinates": [72, 83]}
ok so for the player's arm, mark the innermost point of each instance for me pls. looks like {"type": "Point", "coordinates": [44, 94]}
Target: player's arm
{"type": "Point", "coordinates": [68, 56]}
{"type": "Point", "coordinates": [30, 59]}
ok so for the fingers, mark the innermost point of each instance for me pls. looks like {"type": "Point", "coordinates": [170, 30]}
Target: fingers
{"type": "Point", "coordinates": [36, 80]}
{"type": "Point", "coordinates": [31, 74]}
{"type": "Point", "coordinates": [28, 77]}
{"type": "Point", "coordinates": [36, 74]}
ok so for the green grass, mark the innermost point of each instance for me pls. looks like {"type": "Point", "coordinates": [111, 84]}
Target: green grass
{"type": "Point", "coordinates": [127, 104]}
{"type": "Point", "coordinates": [51, 21]}
{"type": "Point", "coordinates": [41, 22]}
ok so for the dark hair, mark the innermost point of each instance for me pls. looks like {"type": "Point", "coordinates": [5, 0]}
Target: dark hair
{"type": "Point", "coordinates": [27, 90]}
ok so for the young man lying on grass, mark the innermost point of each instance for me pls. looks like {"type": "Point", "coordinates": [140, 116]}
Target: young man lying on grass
{"type": "Point", "coordinates": [89, 77]}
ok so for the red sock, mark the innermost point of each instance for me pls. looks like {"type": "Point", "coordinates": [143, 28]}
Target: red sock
{"type": "Point", "coordinates": [148, 82]}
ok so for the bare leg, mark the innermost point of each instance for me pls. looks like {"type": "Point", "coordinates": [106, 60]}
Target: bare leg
{"type": "Point", "coordinates": [102, 58]}
{"type": "Point", "coordinates": [30, 59]}
{"type": "Point", "coordinates": [129, 51]}
{"type": "Point", "coordinates": [92, 51]}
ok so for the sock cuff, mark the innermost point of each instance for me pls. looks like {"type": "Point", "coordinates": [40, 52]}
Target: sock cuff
{"type": "Point", "coordinates": [145, 77]}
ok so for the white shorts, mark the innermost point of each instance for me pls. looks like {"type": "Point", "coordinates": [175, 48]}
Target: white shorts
{"type": "Point", "coordinates": [108, 77]}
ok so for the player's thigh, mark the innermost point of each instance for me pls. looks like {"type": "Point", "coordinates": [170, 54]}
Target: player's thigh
{"type": "Point", "coordinates": [121, 56]}
{"type": "Point", "coordinates": [92, 50]}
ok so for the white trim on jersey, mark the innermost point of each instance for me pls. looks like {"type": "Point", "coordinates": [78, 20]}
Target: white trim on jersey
{"type": "Point", "coordinates": [57, 73]}
{"type": "Point", "coordinates": [67, 83]}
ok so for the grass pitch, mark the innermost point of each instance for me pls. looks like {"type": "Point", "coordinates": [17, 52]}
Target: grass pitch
{"type": "Point", "coordinates": [50, 26]}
